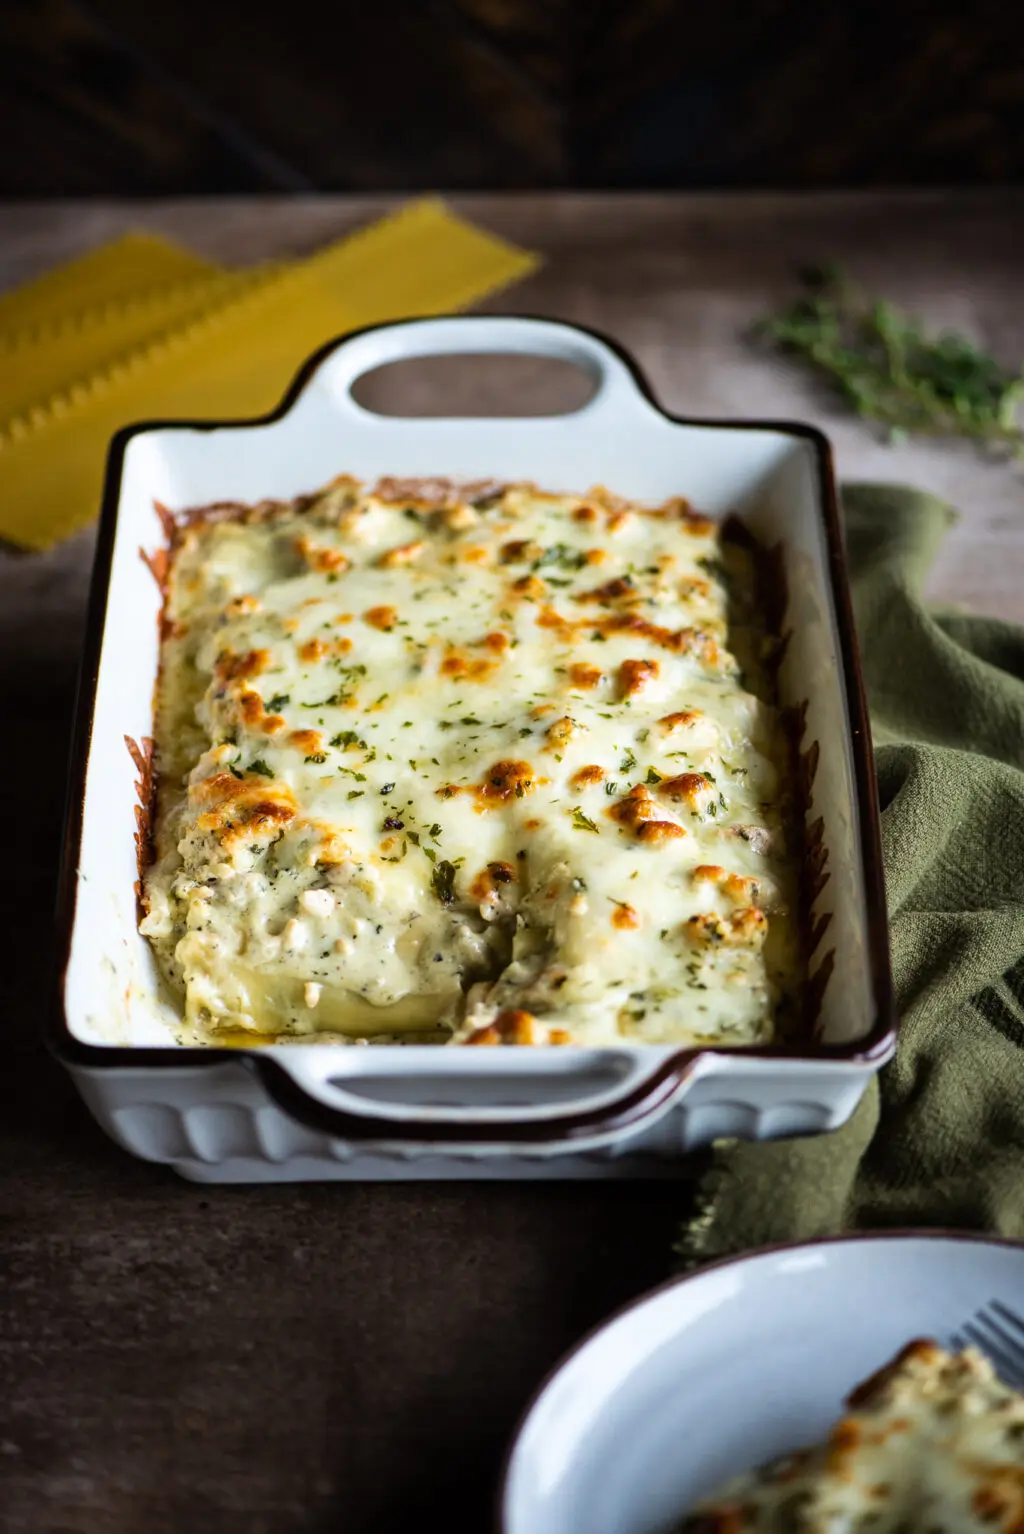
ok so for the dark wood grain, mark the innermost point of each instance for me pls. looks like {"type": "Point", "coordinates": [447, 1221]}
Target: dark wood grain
{"type": "Point", "coordinates": [302, 1359]}
{"type": "Point", "coordinates": [126, 98]}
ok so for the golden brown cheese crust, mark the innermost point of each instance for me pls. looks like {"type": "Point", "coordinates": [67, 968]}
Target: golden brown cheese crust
{"type": "Point", "coordinates": [932, 1442]}
{"type": "Point", "coordinates": [420, 773]}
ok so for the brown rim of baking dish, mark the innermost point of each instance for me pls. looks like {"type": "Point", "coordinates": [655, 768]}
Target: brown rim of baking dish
{"type": "Point", "coordinates": [640, 1101]}
{"type": "Point", "coordinates": [773, 1249]}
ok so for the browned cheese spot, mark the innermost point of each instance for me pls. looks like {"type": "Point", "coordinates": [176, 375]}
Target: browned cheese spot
{"type": "Point", "coordinates": [634, 676]}
{"type": "Point", "coordinates": [588, 777]}
{"type": "Point", "coordinates": [229, 667]}
{"type": "Point", "coordinates": [383, 618]}
{"type": "Point", "coordinates": [584, 676]}
{"type": "Point", "coordinates": [624, 917]}
{"type": "Point", "coordinates": [505, 781]}
{"type": "Point", "coordinates": [404, 554]}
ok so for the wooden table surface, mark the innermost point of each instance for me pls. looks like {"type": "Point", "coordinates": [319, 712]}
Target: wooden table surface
{"type": "Point", "coordinates": [348, 1358]}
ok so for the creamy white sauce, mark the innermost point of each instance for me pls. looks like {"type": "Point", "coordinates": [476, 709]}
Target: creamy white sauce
{"type": "Point", "coordinates": [339, 847]}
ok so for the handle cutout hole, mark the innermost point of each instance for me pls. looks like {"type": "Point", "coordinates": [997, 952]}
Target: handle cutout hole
{"type": "Point", "coordinates": [477, 384]}
{"type": "Point", "coordinates": [522, 1090]}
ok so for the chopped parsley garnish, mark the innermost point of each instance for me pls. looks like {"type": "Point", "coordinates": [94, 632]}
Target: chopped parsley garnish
{"type": "Point", "coordinates": [277, 702]}
{"type": "Point", "coordinates": [562, 555]}
{"type": "Point", "coordinates": [348, 738]}
{"type": "Point", "coordinates": [611, 788]}
{"type": "Point", "coordinates": [318, 757]}
{"type": "Point", "coordinates": [653, 775]}
{"type": "Point", "coordinates": [260, 766]}
{"type": "Point", "coordinates": [435, 831]}
{"type": "Point", "coordinates": [386, 788]}
{"type": "Point", "coordinates": [234, 771]}
{"type": "Point", "coordinates": [443, 881]}
{"type": "Point", "coordinates": [581, 822]}
{"type": "Point", "coordinates": [349, 772]}
{"type": "Point", "coordinates": [354, 793]}
{"type": "Point", "coordinates": [628, 762]}
{"type": "Point", "coordinates": [335, 700]}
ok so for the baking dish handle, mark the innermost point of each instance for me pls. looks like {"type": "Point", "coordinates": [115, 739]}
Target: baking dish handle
{"type": "Point", "coordinates": [615, 386]}
{"type": "Point", "coordinates": [311, 1085]}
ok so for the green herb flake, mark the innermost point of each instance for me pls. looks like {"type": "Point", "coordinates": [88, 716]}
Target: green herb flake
{"type": "Point", "coordinates": [653, 776]}
{"type": "Point", "coordinates": [347, 738]}
{"type": "Point", "coordinates": [581, 822]}
{"type": "Point", "coordinates": [561, 555]}
{"type": "Point", "coordinates": [628, 762]}
{"type": "Point", "coordinates": [278, 702]}
{"type": "Point", "coordinates": [354, 793]}
{"type": "Point", "coordinates": [317, 757]}
{"type": "Point", "coordinates": [260, 766]}
{"type": "Point", "coordinates": [442, 881]}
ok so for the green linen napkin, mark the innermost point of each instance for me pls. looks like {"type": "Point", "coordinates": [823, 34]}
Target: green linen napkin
{"type": "Point", "coordinates": [939, 1141]}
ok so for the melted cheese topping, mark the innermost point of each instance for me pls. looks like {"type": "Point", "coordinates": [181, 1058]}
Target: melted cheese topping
{"type": "Point", "coordinates": [472, 763]}
{"type": "Point", "coordinates": [935, 1443]}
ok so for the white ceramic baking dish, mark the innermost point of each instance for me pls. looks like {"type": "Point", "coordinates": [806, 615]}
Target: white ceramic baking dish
{"type": "Point", "coordinates": [317, 1111]}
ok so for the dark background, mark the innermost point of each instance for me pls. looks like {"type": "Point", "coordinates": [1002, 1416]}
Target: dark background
{"type": "Point", "coordinates": [101, 97]}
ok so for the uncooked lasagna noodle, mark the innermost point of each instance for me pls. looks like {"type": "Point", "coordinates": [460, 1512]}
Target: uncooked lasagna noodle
{"type": "Point", "coordinates": [469, 763]}
{"type": "Point", "coordinates": [934, 1444]}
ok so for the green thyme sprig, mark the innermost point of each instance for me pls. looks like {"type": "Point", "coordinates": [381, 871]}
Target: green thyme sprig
{"type": "Point", "coordinates": [889, 370]}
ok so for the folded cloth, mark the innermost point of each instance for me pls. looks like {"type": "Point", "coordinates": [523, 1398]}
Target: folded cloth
{"type": "Point", "coordinates": [939, 1140]}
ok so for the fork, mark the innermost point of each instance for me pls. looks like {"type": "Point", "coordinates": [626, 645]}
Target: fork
{"type": "Point", "coordinates": [999, 1332]}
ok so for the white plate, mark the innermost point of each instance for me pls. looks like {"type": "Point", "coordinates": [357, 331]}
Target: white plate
{"type": "Point", "coordinates": [720, 1371]}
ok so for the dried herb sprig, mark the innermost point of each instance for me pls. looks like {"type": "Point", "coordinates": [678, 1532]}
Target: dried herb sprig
{"type": "Point", "coordinates": [891, 371]}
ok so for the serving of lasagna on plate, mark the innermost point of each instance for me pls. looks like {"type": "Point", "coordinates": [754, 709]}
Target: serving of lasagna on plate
{"type": "Point", "coordinates": [470, 764]}
{"type": "Point", "coordinates": [933, 1444]}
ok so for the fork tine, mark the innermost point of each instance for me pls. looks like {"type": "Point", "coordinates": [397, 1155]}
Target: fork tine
{"type": "Point", "coordinates": [1009, 1316]}
{"type": "Point", "coordinates": [1008, 1362]}
{"type": "Point", "coordinates": [985, 1318]}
